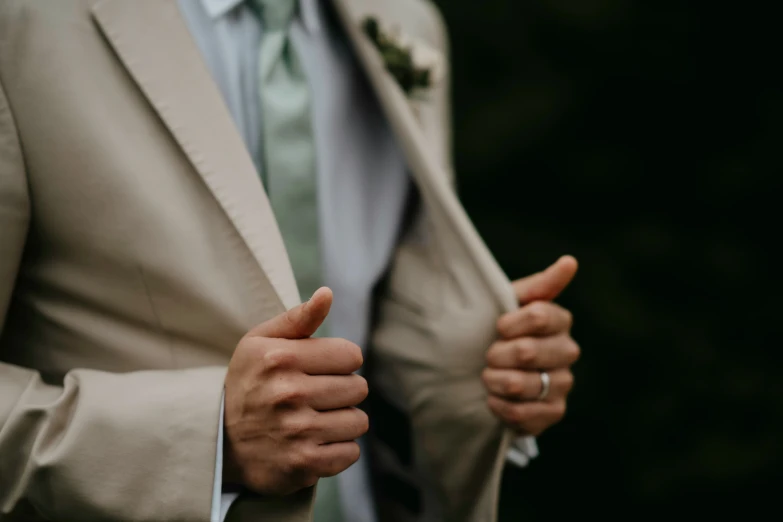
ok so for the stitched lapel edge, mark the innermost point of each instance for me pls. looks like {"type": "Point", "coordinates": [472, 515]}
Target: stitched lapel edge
{"type": "Point", "coordinates": [154, 45]}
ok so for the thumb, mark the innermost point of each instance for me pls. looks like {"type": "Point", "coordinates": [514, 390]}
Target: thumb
{"type": "Point", "coordinates": [299, 322]}
{"type": "Point", "coordinates": [546, 285]}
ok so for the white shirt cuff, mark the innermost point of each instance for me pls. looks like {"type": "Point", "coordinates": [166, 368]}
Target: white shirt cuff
{"type": "Point", "coordinates": [220, 501]}
{"type": "Point", "coordinates": [522, 449]}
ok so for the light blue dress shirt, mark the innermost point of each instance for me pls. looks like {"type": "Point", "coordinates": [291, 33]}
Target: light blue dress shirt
{"type": "Point", "coordinates": [362, 177]}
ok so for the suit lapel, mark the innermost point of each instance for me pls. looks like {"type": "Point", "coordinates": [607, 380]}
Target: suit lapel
{"type": "Point", "coordinates": [428, 173]}
{"type": "Point", "coordinates": [155, 47]}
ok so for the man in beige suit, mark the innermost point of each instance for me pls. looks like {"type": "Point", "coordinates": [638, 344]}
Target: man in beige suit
{"type": "Point", "coordinates": [153, 351]}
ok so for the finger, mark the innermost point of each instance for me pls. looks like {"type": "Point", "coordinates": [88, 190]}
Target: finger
{"type": "Point", "coordinates": [516, 385]}
{"type": "Point", "coordinates": [299, 322]}
{"type": "Point", "coordinates": [331, 392]}
{"type": "Point", "coordinates": [531, 417]}
{"type": "Point", "coordinates": [319, 356]}
{"type": "Point", "coordinates": [536, 318]}
{"type": "Point", "coordinates": [341, 425]}
{"type": "Point", "coordinates": [323, 356]}
{"type": "Point", "coordinates": [534, 353]}
{"type": "Point", "coordinates": [330, 459]}
{"type": "Point", "coordinates": [548, 284]}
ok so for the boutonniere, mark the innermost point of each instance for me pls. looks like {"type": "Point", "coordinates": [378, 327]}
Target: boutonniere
{"type": "Point", "coordinates": [415, 65]}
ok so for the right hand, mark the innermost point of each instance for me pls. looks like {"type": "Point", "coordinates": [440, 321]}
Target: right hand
{"type": "Point", "coordinates": [290, 415]}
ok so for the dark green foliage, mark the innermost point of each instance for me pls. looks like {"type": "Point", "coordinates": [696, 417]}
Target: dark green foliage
{"type": "Point", "coordinates": [645, 139]}
{"type": "Point", "coordinates": [398, 59]}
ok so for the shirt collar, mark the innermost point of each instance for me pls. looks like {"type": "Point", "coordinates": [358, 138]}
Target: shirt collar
{"type": "Point", "coordinates": [218, 8]}
{"type": "Point", "coordinates": [310, 11]}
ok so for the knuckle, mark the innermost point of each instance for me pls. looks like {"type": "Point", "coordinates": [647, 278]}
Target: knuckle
{"type": "Point", "coordinates": [568, 381]}
{"type": "Point", "coordinates": [538, 315]}
{"type": "Point", "coordinates": [486, 376]}
{"type": "Point", "coordinates": [312, 458]}
{"type": "Point", "coordinates": [359, 423]}
{"type": "Point", "coordinates": [569, 318]}
{"type": "Point", "coordinates": [286, 394]}
{"type": "Point", "coordinates": [279, 359]}
{"type": "Point", "coordinates": [362, 388]}
{"type": "Point", "coordinates": [348, 456]}
{"type": "Point", "coordinates": [501, 325]}
{"type": "Point", "coordinates": [357, 359]}
{"type": "Point", "coordinates": [498, 353]}
{"type": "Point", "coordinates": [525, 351]}
{"type": "Point", "coordinates": [492, 405]}
{"type": "Point", "coordinates": [333, 467]}
{"type": "Point", "coordinates": [517, 415]}
{"type": "Point", "coordinates": [290, 466]}
{"type": "Point", "coordinates": [574, 351]}
{"type": "Point", "coordinates": [352, 454]}
{"type": "Point", "coordinates": [364, 422]}
{"type": "Point", "coordinates": [352, 354]}
{"type": "Point", "coordinates": [489, 355]}
{"type": "Point", "coordinates": [294, 427]}
{"type": "Point", "coordinates": [559, 409]}
{"type": "Point", "coordinates": [304, 460]}
{"type": "Point", "coordinates": [513, 386]}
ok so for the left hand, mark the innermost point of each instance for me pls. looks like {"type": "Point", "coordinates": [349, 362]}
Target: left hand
{"type": "Point", "coordinates": [533, 339]}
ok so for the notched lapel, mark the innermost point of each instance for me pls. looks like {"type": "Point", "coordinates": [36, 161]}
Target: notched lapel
{"type": "Point", "coordinates": [428, 173]}
{"type": "Point", "coordinates": [397, 108]}
{"type": "Point", "coordinates": [153, 43]}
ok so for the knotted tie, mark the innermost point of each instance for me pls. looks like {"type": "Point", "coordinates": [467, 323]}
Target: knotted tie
{"type": "Point", "coordinates": [289, 172]}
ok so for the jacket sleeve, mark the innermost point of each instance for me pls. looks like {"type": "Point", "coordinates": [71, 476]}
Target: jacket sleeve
{"type": "Point", "coordinates": [136, 446]}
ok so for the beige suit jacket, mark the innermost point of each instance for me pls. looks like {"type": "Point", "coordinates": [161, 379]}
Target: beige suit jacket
{"type": "Point", "coordinates": [137, 246]}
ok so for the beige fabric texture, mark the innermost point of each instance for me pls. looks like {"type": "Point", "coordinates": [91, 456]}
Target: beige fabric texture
{"type": "Point", "coordinates": [137, 246]}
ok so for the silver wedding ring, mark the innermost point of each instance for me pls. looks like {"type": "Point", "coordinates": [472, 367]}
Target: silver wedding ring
{"type": "Point", "coordinates": [545, 381]}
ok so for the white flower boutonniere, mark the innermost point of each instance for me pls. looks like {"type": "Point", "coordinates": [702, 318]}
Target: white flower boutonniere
{"type": "Point", "coordinates": [413, 63]}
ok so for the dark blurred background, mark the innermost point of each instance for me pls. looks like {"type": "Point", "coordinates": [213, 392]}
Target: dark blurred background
{"type": "Point", "coordinates": [645, 139]}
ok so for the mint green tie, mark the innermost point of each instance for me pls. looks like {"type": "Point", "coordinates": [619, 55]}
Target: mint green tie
{"type": "Point", "coordinates": [289, 170]}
